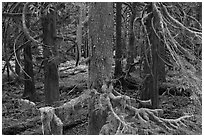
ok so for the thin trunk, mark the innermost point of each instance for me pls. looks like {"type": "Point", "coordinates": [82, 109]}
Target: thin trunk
{"type": "Point", "coordinates": [118, 49]}
{"type": "Point", "coordinates": [17, 67]}
{"type": "Point", "coordinates": [5, 34]}
{"type": "Point", "coordinates": [130, 48]}
{"type": "Point", "coordinates": [79, 35]}
{"type": "Point", "coordinates": [100, 43]}
{"type": "Point", "coordinates": [86, 51]}
{"type": "Point", "coordinates": [29, 83]}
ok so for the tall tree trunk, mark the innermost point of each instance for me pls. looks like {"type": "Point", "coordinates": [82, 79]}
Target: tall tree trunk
{"type": "Point", "coordinates": [51, 79]}
{"type": "Point", "coordinates": [147, 86]}
{"type": "Point", "coordinates": [29, 83]}
{"type": "Point", "coordinates": [100, 66]}
{"type": "Point", "coordinates": [79, 34]}
{"type": "Point", "coordinates": [130, 48]}
{"type": "Point", "coordinates": [152, 70]}
{"type": "Point", "coordinates": [118, 49]}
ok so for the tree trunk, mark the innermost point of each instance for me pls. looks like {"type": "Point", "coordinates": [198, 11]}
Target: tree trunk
{"type": "Point", "coordinates": [161, 64]}
{"type": "Point", "coordinates": [17, 67]}
{"type": "Point", "coordinates": [17, 60]}
{"type": "Point", "coordinates": [118, 49]}
{"type": "Point", "coordinates": [51, 79]}
{"type": "Point", "coordinates": [29, 84]}
{"type": "Point", "coordinates": [79, 35]}
{"type": "Point", "coordinates": [152, 70]}
{"type": "Point", "coordinates": [147, 86]}
{"type": "Point", "coordinates": [5, 45]}
{"type": "Point", "coordinates": [130, 48]}
{"type": "Point", "coordinates": [100, 66]}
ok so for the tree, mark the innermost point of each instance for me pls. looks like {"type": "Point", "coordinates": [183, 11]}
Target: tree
{"type": "Point", "coordinates": [29, 83]}
{"type": "Point", "coordinates": [130, 48]}
{"type": "Point", "coordinates": [118, 49]}
{"type": "Point", "coordinates": [50, 53]}
{"type": "Point", "coordinates": [110, 111]}
{"type": "Point", "coordinates": [17, 66]}
{"type": "Point", "coordinates": [151, 68]}
{"type": "Point", "coordinates": [100, 42]}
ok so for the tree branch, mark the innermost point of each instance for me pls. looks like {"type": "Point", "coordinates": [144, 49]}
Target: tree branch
{"type": "Point", "coordinates": [25, 29]}
{"type": "Point", "coordinates": [177, 23]}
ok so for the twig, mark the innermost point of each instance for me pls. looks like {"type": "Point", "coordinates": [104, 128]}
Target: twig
{"type": "Point", "coordinates": [72, 90]}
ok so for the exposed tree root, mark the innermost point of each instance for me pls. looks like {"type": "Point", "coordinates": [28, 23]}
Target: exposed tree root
{"type": "Point", "coordinates": [124, 118]}
{"type": "Point", "coordinates": [142, 116]}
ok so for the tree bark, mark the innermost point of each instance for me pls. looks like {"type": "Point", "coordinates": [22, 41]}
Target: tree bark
{"type": "Point", "coordinates": [147, 86]}
{"type": "Point", "coordinates": [152, 70]}
{"type": "Point", "coordinates": [51, 79]}
{"type": "Point", "coordinates": [100, 66]}
{"type": "Point", "coordinates": [130, 48]}
{"type": "Point", "coordinates": [29, 84]}
{"type": "Point", "coordinates": [118, 49]}
{"type": "Point", "coordinates": [161, 64]}
{"type": "Point", "coordinates": [17, 67]}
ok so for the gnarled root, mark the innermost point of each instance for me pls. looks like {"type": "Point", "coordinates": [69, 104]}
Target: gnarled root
{"type": "Point", "coordinates": [141, 118]}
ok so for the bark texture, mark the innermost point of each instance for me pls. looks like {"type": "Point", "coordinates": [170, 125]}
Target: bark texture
{"type": "Point", "coordinates": [51, 79]}
{"type": "Point", "coordinates": [151, 67]}
{"type": "Point", "coordinates": [130, 48]}
{"type": "Point", "coordinates": [118, 49]}
{"type": "Point", "coordinates": [101, 57]}
{"type": "Point", "coordinates": [29, 83]}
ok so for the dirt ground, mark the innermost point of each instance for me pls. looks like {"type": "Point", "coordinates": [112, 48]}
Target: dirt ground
{"type": "Point", "coordinates": [16, 121]}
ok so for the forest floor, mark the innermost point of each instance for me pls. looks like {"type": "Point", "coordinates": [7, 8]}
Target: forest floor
{"type": "Point", "coordinates": [16, 121]}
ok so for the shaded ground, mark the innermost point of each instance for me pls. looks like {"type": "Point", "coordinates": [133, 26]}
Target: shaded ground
{"type": "Point", "coordinates": [72, 83]}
